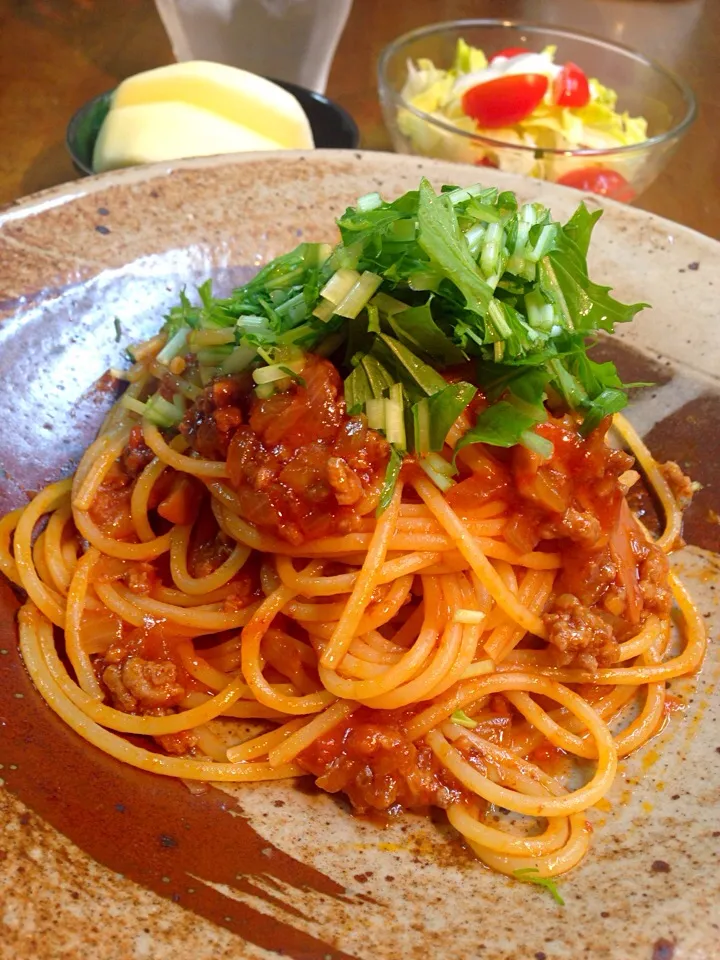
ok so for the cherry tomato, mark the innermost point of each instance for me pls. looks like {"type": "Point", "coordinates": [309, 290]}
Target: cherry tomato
{"type": "Point", "coordinates": [571, 87]}
{"type": "Point", "coordinates": [600, 180]}
{"type": "Point", "coordinates": [509, 52]}
{"type": "Point", "coordinates": [486, 162]}
{"type": "Point", "coordinates": [506, 100]}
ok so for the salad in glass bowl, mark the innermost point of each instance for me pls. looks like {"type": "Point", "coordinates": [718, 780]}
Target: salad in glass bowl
{"type": "Point", "coordinates": [577, 110]}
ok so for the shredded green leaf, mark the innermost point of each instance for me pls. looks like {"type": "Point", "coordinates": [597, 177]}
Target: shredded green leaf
{"type": "Point", "coordinates": [463, 720]}
{"type": "Point", "coordinates": [295, 377]}
{"type": "Point", "coordinates": [391, 474]}
{"type": "Point", "coordinates": [501, 425]}
{"type": "Point", "coordinates": [532, 875]}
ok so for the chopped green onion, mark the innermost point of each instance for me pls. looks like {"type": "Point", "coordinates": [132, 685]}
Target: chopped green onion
{"type": "Point", "coordinates": [240, 359]}
{"type": "Point", "coordinates": [210, 338]}
{"type": "Point", "coordinates": [249, 323]}
{"type": "Point", "coordinates": [471, 617]}
{"type": "Point", "coordinates": [174, 346]}
{"type": "Point", "coordinates": [537, 444]}
{"type": "Point", "coordinates": [544, 243]}
{"type": "Point", "coordinates": [324, 310]}
{"type": "Point", "coordinates": [370, 201]}
{"type": "Point", "coordinates": [492, 246]}
{"type": "Point", "coordinates": [529, 213]}
{"type": "Point", "coordinates": [162, 412]}
{"type": "Point", "coordinates": [339, 285]}
{"type": "Point", "coordinates": [206, 373]}
{"type": "Point", "coordinates": [441, 481]}
{"type": "Point", "coordinates": [130, 403]}
{"type": "Point", "coordinates": [421, 419]}
{"type": "Point", "coordinates": [375, 412]}
{"type": "Point", "coordinates": [356, 298]}
{"type": "Point", "coordinates": [440, 464]}
{"type": "Point", "coordinates": [294, 309]}
{"type": "Point", "coordinates": [462, 719]}
{"type": "Point", "coordinates": [474, 237]}
{"type": "Point", "coordinates": [277, 371]}
{"type": "Point", "coordinates": [540, 313]}
{"type": "Point", "coordinates": [213, 356]}
{"type": "Point", "coordinates": [464, 193]}
{"type": "Point", "coordinates": [264, 390]}
{"type": "Point", "coordinates": [395, 417]}
{"type": "Point", "coordinates": [518, 252]}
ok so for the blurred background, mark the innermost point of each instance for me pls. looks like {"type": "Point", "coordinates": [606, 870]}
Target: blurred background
{"type": "Point", "coordinates": [55, 54]}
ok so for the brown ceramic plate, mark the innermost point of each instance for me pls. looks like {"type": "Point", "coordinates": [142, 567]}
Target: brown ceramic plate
{"type": "Point", "coordinates": [100, 860]}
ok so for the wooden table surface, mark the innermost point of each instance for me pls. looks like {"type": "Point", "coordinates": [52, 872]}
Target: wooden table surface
{"type": "Point", "coordinates": [54, 54]}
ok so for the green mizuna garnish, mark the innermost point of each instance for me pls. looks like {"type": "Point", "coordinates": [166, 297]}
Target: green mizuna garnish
{"type": "Point", "coordinates": [463, 720]}
{"type": "Point", "coordinates": [532, 875]}
{"type": "Point", "coordinates": [417, 286]}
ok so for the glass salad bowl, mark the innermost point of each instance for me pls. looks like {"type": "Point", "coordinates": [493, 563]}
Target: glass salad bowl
{"type": "Point", "coordinates": [612, 148]}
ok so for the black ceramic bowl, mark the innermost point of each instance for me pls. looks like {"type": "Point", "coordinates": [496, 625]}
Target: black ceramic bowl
{"type": "Point", "coordinates": [332, 126]}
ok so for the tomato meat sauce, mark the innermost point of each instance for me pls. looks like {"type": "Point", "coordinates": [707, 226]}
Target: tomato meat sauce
{"type": "Point", "coordinates": [611, 577]}
{"type": "Point", "coordinates": [301, 467]}
{"type": "Point", "coordinates": [377, 767]}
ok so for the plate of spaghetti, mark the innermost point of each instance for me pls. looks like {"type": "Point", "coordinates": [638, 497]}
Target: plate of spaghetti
{"type": "Point", "coordinates": [348, 600]}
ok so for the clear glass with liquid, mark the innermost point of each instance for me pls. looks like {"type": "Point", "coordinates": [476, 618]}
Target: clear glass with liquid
{"type": "Point", "coordinates": [293, 40]}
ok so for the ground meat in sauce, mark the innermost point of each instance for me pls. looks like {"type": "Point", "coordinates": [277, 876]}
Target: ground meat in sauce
{"type": "Point", "coordinates": [578, 526]}
{"type": "Point", "coordinates": [378, 767]}
{"type": "Point", "coordinates": [300, 466]}
{"type": "Point", "coordinates": [141, 578]}
{"type": "Point", "coordinates": [680, 484]}
{"type": "Point", "coordinates": [138, 685]}
{"type": "Point", "coordinates": [581, 637]}
{"type": "Point", "coordinates": [110, 509]}
{"type": "Point", "coordinates": [178, 744]}
{"type": "Point", "coordinates": [653, 573]}
{"type": "Point", "coordinates": [587, 574]}
{"type": "Point", "coordinates": [136, 455]}
{"type": "Point", "coordinates": [572, 504]}
{"type": "Point", "coordinates": [211, 421]}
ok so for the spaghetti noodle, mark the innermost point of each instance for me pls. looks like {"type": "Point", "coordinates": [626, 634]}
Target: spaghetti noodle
{"type": "Point", "coordinates": [413, 633]}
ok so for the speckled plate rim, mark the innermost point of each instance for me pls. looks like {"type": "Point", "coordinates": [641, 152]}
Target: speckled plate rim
{"type": "Point", "coordinates": [56, 901]}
